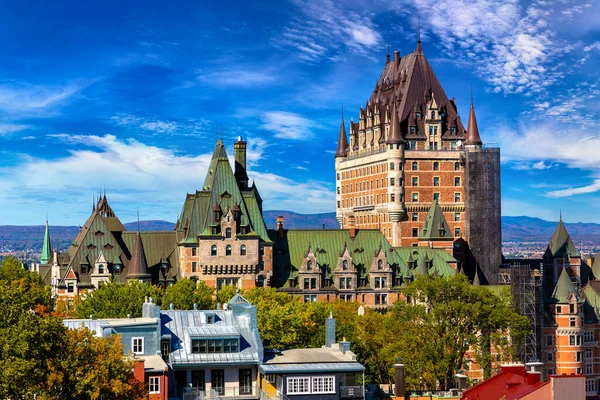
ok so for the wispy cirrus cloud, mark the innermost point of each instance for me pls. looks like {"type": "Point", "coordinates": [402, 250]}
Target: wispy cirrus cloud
{"type": "Point", "coordinates": [238, 77]}
{"type": "Point", "coordinates": [25, 99]}
{"type": "Point", "coordinates": [324, 28]}
{"type": "Point", "coordinates": [287, 125]}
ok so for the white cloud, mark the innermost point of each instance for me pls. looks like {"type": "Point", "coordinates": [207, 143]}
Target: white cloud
{"type": "Point", "coordinates": [159, 126]}
{"type": "Point", "coordinates": [154, 178]}
{"type": "Point", "coordinates": [6, 129]}
{"type": "Point", "coordinates": [592, 47]}
{"type": "Point", "coordinates": [26, 99]}
{"type": "Point", "coordinates": [238, 77]}
{"type": "Point", "coordinates": [287, 125]}
{"type": "Point", "coordinates": [326, 27]}
{"type": "Point", "coordinates": [591, 188]}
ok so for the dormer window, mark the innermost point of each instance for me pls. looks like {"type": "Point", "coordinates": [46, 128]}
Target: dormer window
{"type": "Point", "coordinates": [84, 268]}
{"type": "Point", "coordinates": [100, 268]}
{"type": "Point", "coordinates": [217, 215]}
{"type": "Point", "coordinates": [117, 268]}
{"type": "Point", "coordinates": [452, 130]}
{"type": "Point", "coordinates": [243, 230]}
{"type": "Point", "coordinates": [418, 115]}
{"type": "Point", "coordinates": [412, 130]}
{"type": "Point", "coordinates": [236, 215]}
{"type": "Point", "coordinates": [214, 230]}
{"type": "Point", "coordinates": [213, 251]}
{"type": "Point", "coordinates": [380, 264]}
{"type": "Point", "coordinates": [432, 114]}
{"type": "Point", "coordinates": [309, 265]}
{"type": "Point", "coordinates": [345, 265]}
{"type": "Point", "coordinates": [228, 233]}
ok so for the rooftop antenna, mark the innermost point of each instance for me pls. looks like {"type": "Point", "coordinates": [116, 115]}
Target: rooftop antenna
{"type": "Point", "coordinates": [419, 29]}
{"type": "Point", "coordinates": [561, 215]}
{"type": "Point", "coordinates": [138, 215]}
{"type": "Point", "coordinates": [471, 95]}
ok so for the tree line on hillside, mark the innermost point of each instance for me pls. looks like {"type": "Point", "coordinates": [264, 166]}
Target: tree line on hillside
{"type": "Point", "coordinates": [445, 318]}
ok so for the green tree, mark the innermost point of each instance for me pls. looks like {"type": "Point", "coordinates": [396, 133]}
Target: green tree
{"type": "Point", "coordinates": [226, 293]}
{"type": "Point", "coordinates": [185, 292]}
{"type": "Point", "coordinates": [114, 300]}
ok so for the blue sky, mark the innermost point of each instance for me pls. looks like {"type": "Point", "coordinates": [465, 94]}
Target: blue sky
{"type": "Point", "coordinates": [130, 96]}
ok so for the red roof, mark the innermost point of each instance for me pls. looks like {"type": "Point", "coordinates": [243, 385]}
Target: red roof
{"type": "Point", "coordinates": [512, 383]}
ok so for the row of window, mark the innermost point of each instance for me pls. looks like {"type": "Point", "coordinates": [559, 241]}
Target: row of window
{"type": "Point", "coordinates": [368, 185]}
{"type": "Point", "coordinates": [573, 309]}
{"type": "Point", "coordinates": [368, 200]}
{"type": "Point", "coordinates": [436, 181]}
{"type": "Point", "coordinates": [414, 217]}
{"type": "Point", "coordinates": [228, 250]}
{"type": "Point", "coordinates": [218, 381]}
{"type": "Point", "coordinates": [375, 169]}
{"type": "Point", "coordinates": [200, 346]}
{"type": "Point", "coordinates": [415, 232]}
{"type": "Point", "coordinates": [412, 145]}
{"type": "Point", "coordinates": [306, 385]}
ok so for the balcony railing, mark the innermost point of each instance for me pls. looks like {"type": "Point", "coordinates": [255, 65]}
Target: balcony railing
{"type": "Point", "coordinates": [229, 392]}
{"type": "Point", "coordinates": [351, 392]}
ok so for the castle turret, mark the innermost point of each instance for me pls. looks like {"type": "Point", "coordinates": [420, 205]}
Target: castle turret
{"type": "Point", "coordinates": [46, 248]}
{"type": "Point", "coordinates": [473, 138]}
{"type": "Point", "coordinates": [342, 142]}
{"type": "Point", "coordinates": [241, 176]}
{"type": "Point", "coordinates": [138, 267]}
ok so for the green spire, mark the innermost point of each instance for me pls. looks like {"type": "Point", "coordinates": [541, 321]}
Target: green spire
{"type": "Point", "coordinates": [563, 289]}
{"type": "Point", "coordinates": [476, 281]}
{"type": "Point", "coordinates": [435, 226]}
{"type": "Point", "coordinates": [46, 248]}
{"type": "Point", "coordinates": [561, 243]}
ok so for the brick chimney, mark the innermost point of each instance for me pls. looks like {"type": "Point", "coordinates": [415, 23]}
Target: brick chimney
{"type": "Point", "coordinates": [280, 226]}
{"type": "Point", "coordinates": [330, 330]}
{"type": "Point", "coordinates": [352, 226]}
{"type": "Point", "coordinates": [399, 379]}
{"type": "Point", "coordinates": [241, 176]}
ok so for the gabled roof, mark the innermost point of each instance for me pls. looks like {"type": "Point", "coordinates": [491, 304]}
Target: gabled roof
{"type": "Point", "coordinates": [561, 244]}
{"type": "Point", "coordinates": [46, 248]}
{"type": "Point", "coordinates": [435, 227]}
{"type": "Point", "coordinates": [220, 191]}
{"type": "Point", "coordinates": [564, 290]}
{"type": "Point", "coordinates": [509, 384]}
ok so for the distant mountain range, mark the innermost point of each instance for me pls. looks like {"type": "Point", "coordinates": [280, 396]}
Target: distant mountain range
{"type": "Point", "coordinates": [514, 229]}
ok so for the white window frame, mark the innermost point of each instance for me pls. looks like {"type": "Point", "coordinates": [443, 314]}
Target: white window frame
{"type": "Point", "coordinates": [294, 383]}
{"type": "Point", "coordinates": [328, 384]}
{"type": "Point", "coordinates": [133, 345]}
{"type": "Point", "coordinates": [154, 385]}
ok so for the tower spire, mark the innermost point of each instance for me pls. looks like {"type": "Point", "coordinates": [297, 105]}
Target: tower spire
{"type": "Point", "coordinates": [473, 137]}
{"type": "Point", "coordinates": [419, 47]}
{"type": "Point", "coordinates": [46, 248]}
{"type": "Point", "coordinates": [342, 140]}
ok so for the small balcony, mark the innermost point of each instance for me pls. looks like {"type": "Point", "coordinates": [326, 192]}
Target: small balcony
{"type": "Point", "coordinates": [227, 393]}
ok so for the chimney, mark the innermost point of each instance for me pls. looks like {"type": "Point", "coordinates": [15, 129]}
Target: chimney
{"type": "Point", "coordinates": [387, 58]}
{"type": "Point", "coordinates": [396, 57]}
{"type": "Point", "coordinates": [239, 151]}
{"type": "Point", "coordinates": [149, 309]}
{"type": "Point", "coordinates": [280, 226]}
{"type": "Point", "coordinates": [352, 226]}
{"type": "Point", "coordinates": [344, 346]}
{"type": "Point", "coordinates": [399, 379]}
{"type": "Point", "coordinates": [533, 377]}
{"type": "Point", "coordinates": [330, 330]}
{"type": "Point", "coordinates": [461, 380]}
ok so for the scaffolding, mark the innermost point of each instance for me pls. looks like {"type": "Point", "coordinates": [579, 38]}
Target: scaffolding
{"type": "Point", "coordinates": [526, 287]}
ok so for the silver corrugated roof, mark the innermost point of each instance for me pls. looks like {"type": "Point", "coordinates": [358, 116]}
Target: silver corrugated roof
{"type": "Point", "coordinates": [213, 330]}
{"type": "Point", "coordinates": [311, 368]}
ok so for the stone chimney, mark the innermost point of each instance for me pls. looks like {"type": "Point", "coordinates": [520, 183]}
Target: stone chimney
{"type": "Point", "coordinates": [396, 58]}
{"type": "Point", "coordinates": [399, 379]}
{"type": "Point", "coordinates": [330, 330]}
{"type": "Point", "coordinates": [149, 309]}
{"type": "Point", "coordinates": [280, 226]}
{"type": "Point", "coordinates": [241, 176]}
{"type": "Point", "coordinates": [352, 226]}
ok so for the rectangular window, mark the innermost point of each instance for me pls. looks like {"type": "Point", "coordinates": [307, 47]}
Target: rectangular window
{"type": "Point", "coordinates": [457, 181]}
{"type": "Point", "coordinates": [457, 197]}
{"type": "Point", "coordinates": [436, 196]}
{"type": "Point", "coordinates": [392, 182]}
{"type": "Point", "coordinates": [578, 371]}
{"type": "Point", "coordinates": [323, 384]}
{"type": "Point", "coordinates": [165, 349]}
{"type": "Point", "coordinates": [198, 380]}
{"type": "Point", "coordinates": [342, 283]}
{"type": "Point", "coordinates": [549, 340]}
{"type": "Point", "coordinates": [590, 385]}
{"type": "Point", "coordinates": [137, 345]}
{"type": "Point", "coordinates": [377, 283]}
{"type": "Point", "coordinates": [245, 381]}
{"type": "Point", "coordinates": [230, 345]}
{"type": "Point", "coordinates": [571, 308]}
{"type": "Point", "coordinates": [413, 144]}
{"type": "Point", "coordinates": [578, 340]}
{"type": "Point", "coordinates": [571, 340]}
{"type": "Point", "coordinates": [456, 217]}
{"type": "Point", "coordinates": [436, 181]}
{"type": "Point", "coordinates": [572, 322]}
{"type": "Point", "coordinates": [348, 283]}
{"type": "Point", "coordinates": [218, 381]}
{"type": "Point", "coordinates": [456, 232]}
{"type": "Point", "coordinates": [392, 197]}
{"type": "Point", "coordinates": [70, 287]}
{"type": "Point", "coordinates": [194, 251]}
{"type": "Point", "coordinates": [306, 283]}
{"type": "Point", "coordinates": [154, 384]}
{"type": "Point", "coordinates": [415, 181]}
{"type": "Point", "coordinates": [200, 346]}
{"type": "Point", "coordinates": [415, 197]}
{"type": "Point", "coordinates": [415, 217]}
{"type": "Point", "coordinates": [549, 356]}
{"type": "Point", "coordinates": [415, 232]}
{"type": "Point", "coordinates": [194, 266]}
{"type": "Point", "coordinates": [298, 385]}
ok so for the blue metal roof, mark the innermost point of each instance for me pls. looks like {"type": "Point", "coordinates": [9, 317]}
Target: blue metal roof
{"type": "Point", "coordinates": [311, 368]}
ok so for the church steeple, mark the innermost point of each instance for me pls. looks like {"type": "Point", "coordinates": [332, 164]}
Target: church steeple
{"type": "Point", "coordinates": [46, 248]}
{"type": "Point", "coordinates": [342, 141]}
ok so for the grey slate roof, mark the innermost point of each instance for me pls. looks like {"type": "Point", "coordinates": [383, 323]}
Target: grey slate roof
{"type": "Point", "coordinates": [311, 368]}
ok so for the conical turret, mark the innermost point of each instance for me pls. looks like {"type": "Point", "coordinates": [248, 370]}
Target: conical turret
{"type": "Point", "coordinates": [395, 136]}
{"type": "Point", "coordinates": [473, 138]}
{"type": "Point", "coordinates": [46, 248]}
{"type": "Point", "coordinates": [342, 142]}
{"type": "Point", "coordinates": [138, 267]}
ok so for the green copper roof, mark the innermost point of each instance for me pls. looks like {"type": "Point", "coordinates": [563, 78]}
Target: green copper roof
{"type": "Point", "coordinates": [561, 243]}
{"type": "Point", "coordinates": [435, 226]}
{"type": "Point", "coordinates": [328, 244]}
{"type": "Point", "coordinates": [221, 192]}
{"type": "Point", "coordinates": [596, 266]}
{"type": "Point", "coordinates": [476, 281]}
{"type": "Point", "coordinates": [563, 289]}
{"type": "Point", "coordinates": [46, 248]}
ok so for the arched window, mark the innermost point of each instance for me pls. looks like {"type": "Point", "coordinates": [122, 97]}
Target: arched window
{"type": "Point", "coordinates": [380, 264]}
{"type": "Point", "coordinates": [228, 233]}
{"type": "Point", "coordinates": [391, 166]}
{"type": "Point", "coordinates": [100, 268]}
{"type": "Point", "coordinates": [243, 250]}
{"type": "Point", "coordinates": [309, 265]}
{"type": "Point", "coordinates": [432, 114]}
{"type": "Point", "coordinates": [213, 250]}
{"type": "Point", "coordinates": [228, 250]}
{"type": "Point", "coordinates": [345, 265]}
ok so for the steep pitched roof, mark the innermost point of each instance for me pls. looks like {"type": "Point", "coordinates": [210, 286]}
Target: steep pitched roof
{"type": "Point", "coordinates": [395, 136]}
{"type": "Point", "coordinates": [328, 244]}
{"type": "Point", "coordinates": [411, 83]}
{"type": "Point", "coordinates": [46, 248]}
{"type": "Point", "coordinates": [220, 190]}
{"type": "Point", "coordinates": [564, 289]}
{"type": "Point", "coordinates": [561, 243]}
{"type": "Point", "coordinates": [138, 267]}
{"type": "Point", "coordinates": [435, 227]}
{"type": "Point", "coordinates": [342, 142]}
